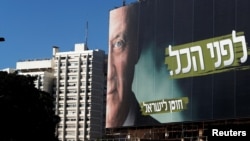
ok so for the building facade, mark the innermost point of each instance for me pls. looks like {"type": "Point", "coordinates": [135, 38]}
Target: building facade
{"type": "Point", "coordinates": [40, 68]}
{"type": "Point", "coordinates": [77, 81]}
{"type": "Point", "coordinates": [79, 90]}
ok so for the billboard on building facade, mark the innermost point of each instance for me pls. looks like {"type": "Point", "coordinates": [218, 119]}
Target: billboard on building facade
{"type": "Point", "coordinates": [176, 61]}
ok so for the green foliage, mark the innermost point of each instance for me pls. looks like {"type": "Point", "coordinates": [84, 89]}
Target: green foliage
{"type": "Point", "coordinates": [26, 112]}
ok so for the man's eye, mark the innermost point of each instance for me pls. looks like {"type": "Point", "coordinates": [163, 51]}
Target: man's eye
{"type": "Point", "coordinates": [120, 43]}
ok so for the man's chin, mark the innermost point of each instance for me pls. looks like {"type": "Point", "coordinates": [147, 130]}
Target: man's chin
{"type": "Point", "coordinates": [113, 115]}
{"type": "Point", "coordinates": [112, 123]}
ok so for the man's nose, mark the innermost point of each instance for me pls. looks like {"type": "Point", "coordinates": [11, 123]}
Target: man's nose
{"type": "Point", "coordinates": [111, 68]}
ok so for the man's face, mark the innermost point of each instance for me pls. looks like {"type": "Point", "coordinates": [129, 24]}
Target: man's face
{"type": "Point", "coordinates": [121, 63]}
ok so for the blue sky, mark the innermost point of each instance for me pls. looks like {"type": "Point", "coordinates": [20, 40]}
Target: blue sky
{"type": "Point", "coordinates": [32, 27]}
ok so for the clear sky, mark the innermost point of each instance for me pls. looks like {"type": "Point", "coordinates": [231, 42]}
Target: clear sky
{"type": "Point", "coordinates": [32, 27]}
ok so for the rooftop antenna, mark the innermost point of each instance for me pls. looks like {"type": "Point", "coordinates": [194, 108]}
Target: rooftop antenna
{"type": "Point", "coordinates": [123, 2]}
{"type": "Point", "coordinates": [86, 34]}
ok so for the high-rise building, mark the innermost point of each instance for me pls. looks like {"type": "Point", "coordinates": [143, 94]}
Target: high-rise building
{"type": "Point", "coordinates": [80, 93]}
{"type": "Point", "coordinates": [77, 80]}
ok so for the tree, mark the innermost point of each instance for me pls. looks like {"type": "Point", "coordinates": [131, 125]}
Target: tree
{"type": "Point", "coordinates": [26, 113]}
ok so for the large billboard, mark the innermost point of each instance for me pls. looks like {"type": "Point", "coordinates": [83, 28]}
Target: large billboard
{"type": "Point", "coordinates": [177, 61]}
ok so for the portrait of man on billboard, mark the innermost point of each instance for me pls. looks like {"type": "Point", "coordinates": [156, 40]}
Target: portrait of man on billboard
{"type": "Point", "coordinates": [122, 106]}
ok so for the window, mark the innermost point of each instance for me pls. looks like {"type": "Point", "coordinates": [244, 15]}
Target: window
{"type": "Point", "coordinates": [71, 105]}
{"type": "Point", "coordinates": [70, 119]}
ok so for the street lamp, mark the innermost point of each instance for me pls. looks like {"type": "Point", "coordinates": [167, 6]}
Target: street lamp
{"type": "Point", "coordinates": [2, 39]}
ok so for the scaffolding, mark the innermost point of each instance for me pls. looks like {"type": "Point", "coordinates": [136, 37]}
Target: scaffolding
{"type": "Point", "coordinates": [186, 131]}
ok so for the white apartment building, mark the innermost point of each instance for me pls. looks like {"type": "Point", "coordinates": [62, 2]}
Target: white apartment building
{"type": "Point", "coordinates": [80, 93]}
{"type": "Point", "coordinates": [42, 69]}
{"type": "Point", "coordinates": [77, 80]}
